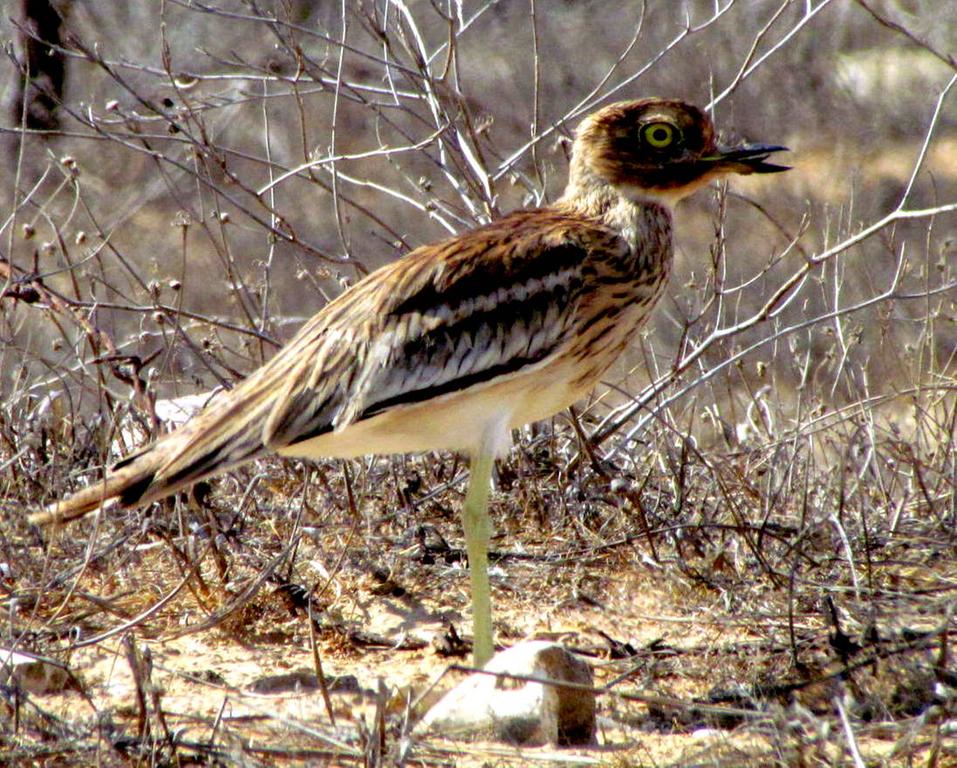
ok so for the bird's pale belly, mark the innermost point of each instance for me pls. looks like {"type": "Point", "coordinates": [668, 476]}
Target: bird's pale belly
{"type": "Point", "coordinates": [458, 421]}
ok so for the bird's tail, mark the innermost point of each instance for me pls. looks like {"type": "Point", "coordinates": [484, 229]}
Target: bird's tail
{"type": "Point", "coordinates": [226, 434]}
{"type": "Point", "coordinates": [122, 482]}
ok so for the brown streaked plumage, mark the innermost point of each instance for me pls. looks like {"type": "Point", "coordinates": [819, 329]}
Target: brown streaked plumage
{"type": "Point", "coordinates": [457, 342]}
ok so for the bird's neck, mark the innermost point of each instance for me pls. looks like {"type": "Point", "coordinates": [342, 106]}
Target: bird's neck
{"type": "Point", "coordinates": [633, 217]}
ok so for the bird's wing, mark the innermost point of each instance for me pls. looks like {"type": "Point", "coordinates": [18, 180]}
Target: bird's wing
{"type": "Point", "coordinates": [444, 318]}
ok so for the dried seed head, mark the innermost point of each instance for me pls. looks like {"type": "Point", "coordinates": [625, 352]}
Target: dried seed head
{"type": "Point", "coordinates": [185, 81]}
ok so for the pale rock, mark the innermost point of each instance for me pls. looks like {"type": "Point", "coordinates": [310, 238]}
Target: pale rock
{"type": "Point", "coordinates": [518, 711]}
{"type": "Point", "coordinates": [31, 674]}
{"type": "Point", "coordinates": [178, 410]}
{"type": "Point", "coordinates": [172, 413]}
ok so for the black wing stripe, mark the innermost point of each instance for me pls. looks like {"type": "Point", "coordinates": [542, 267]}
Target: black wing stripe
{"type": "Point", "coordinates": [463, 382]}
{"type": "Point", "coordinates": [497, 272]}
{"type": "Point", "coordinates": [475, 348]}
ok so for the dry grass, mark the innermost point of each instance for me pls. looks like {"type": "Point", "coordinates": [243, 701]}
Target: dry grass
{"type": "Point", "coordinates": [751, 531]}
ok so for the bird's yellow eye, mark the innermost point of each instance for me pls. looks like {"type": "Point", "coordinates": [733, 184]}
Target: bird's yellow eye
{"type": "Point", "coordinates": [659, 135]}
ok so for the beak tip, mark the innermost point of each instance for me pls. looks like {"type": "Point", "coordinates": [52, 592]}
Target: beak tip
{"type": "Point", "coordinates": [752, 158]}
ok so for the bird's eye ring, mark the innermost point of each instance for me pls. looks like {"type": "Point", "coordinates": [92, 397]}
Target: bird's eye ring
{"type": "Point", "coordinates": [659, 135]}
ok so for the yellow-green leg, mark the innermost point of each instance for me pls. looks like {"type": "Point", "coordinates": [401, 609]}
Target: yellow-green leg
{"type": "Point", "coordinates": [477, 533]}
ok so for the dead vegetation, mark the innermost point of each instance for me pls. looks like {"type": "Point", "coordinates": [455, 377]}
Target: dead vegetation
{"type": "Point", "coordinates": [751, 532]}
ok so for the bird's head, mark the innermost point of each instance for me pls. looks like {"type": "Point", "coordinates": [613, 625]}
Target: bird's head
{"type": "Point", "coordinates": [658, 149]}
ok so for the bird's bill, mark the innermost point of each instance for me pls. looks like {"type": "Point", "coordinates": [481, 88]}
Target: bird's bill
{"type": "Point", "coordinates": [747, 158]}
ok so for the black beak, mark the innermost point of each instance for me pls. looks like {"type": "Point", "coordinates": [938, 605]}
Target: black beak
{"type": "Point", "coordinates": [747, 158]}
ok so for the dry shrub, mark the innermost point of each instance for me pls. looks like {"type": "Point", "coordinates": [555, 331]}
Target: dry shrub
{"type": "Point", "coordinates": [777, 446]}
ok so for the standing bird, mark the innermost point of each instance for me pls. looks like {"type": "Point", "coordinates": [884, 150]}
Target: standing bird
{"type": "Point", "coordinates": [459, 342]}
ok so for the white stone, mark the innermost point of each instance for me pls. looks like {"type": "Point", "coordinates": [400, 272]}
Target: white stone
{"type": "Point", "coordinates": [178, 410]}
{"type": "Point", "coordinates": [519, 711]}
{"type": "Point", "coordinates": [31, 674]}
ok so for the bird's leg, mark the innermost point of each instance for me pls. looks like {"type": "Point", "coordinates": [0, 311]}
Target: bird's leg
{"type": "Point", "coordinates": [477, 533]}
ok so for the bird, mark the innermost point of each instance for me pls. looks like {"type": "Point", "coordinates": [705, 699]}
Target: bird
{"type": "Point", "coordinates": [455, 344]}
